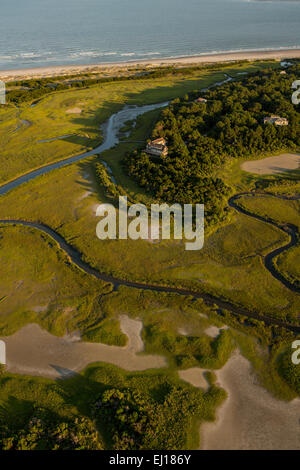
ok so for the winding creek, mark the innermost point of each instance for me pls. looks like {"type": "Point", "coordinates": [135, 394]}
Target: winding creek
{"type": "Point", "coordinates": [210, 299]}
{"type": "Point", "coordinates": [290, 229]}
{"type": "Point", "coordinates": [111, 130]}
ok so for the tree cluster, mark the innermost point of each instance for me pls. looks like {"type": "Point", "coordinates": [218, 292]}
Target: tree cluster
{"type": "Point", "coordinates": [203, 136]}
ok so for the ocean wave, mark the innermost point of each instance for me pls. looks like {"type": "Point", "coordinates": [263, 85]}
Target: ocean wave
{"type": "Point", "coordinates": [71, 56]}
{"type": "Point", "coordinates": [232, 51]}
{"type": "Point", "coordinates": [25, 55]}
{"type": "Point", "coordinates": [92, 54]}
{"type": "Point", "coordinates": [150, 53]}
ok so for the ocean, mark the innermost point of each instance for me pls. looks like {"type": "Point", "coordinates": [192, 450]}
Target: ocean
{"type": "Point", "coordinates": [36, 33]}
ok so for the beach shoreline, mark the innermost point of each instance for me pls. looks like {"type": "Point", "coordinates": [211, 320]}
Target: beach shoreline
{"type": "Point", "coordinates": [54, 70]}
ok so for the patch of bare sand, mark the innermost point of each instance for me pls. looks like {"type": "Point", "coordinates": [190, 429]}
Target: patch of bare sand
{"type": "Point", "coordinates": [183, 332]}
{"type": "Point", "coordinates": [34, 351]}
{"type": "Point", "coordinates": [40, 308]}
{"type": "Point", "coordinates": [74, 111]}
{"type": "Point", "coordinates": [132, 329]}
{"type": "Point", "coordinates": [214, 331]}
{"type": "Point", "coordinates": [251, 418]}
{"type": "Point", "coordinates": [273, 165]}
{"type": "Point", "coordinates": [203, 315]}
{"type": "Point", "coordinates": [195, 376]}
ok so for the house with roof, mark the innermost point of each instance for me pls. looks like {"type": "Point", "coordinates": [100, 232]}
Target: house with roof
{"type": "Point", "coordinates": [200, 100]}
{"type": "Point", "coordinates": [277, 120]}
{"type": "Point", "coordinates": [157, 147]}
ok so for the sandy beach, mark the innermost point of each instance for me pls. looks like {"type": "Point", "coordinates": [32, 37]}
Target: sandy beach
{"type": "Point", "coordinates": [42, 72]}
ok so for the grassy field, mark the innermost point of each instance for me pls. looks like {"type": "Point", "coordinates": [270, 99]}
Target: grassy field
{"type": "Point", "coordinates": [278, 210]}
{"type": "Point", "coordinates": [245, 68]}
{"type": "Point", "coordinates": [283, 212]}
{"type": "Point", "coordinates": [40, 285]}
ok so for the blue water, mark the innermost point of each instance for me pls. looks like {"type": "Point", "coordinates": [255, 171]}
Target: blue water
{"type": "Point", "coordinates": [51, 32]}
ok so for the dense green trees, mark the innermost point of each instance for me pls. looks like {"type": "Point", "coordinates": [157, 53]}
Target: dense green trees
{"type": "Point", "coordinates": [136, 421]}
{"type": "Point", "coordinates": [202, 136]}
{"type": "Point", "coordinates": [41, 433]}
{"type": "Point", "coordinates": [289, 371]}
{"type": "Point", "coordinates": [105, 408]}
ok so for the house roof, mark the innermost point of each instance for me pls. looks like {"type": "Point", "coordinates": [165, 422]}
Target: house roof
{"type": "Point", "coordinates": [155, 146]}
{"type": "Point", "coordinates": [159, 140]}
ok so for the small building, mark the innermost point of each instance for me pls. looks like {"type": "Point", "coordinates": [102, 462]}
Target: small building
{"type": "Point", "coordinates": [200, 100]}
{"type": "Point", "coordinates": [277, 120]}
{"type": "Point", "coordinates": [283, 72]}
{"type": "Point", "coordinates": [285, 64]}
{"type": "Point", "coordinates": [157, 147]}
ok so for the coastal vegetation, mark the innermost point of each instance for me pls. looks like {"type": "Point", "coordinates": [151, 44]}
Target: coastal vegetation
{"type": "Point", "coordinates": [103, 406]}
{"type": "Point", "coordinates": [229, 266]}
{"type": "Point", "coordinates": [26, 132]}
{"type": "Point", "coordinates": [284, 211]}
{"type": "Point", "coordinates": [150, 410]}
{"type": "Point", "coordinates": [28, 123]}
{"type": "Point", "coordinates": [40, 433]}
{"type": "Point", "coordinates": [29, 90]}
{"type": "Point", "coordinates": [201, 136]}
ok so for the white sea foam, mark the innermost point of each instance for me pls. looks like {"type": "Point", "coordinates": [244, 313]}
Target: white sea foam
{"type": "Point", "coordinates": [92, 54]}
